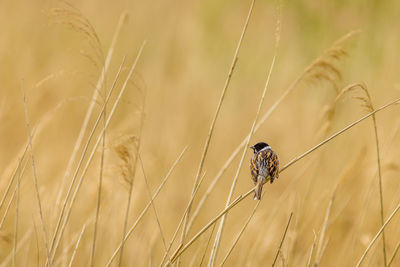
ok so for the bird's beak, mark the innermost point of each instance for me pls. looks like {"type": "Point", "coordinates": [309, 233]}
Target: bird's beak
{"type": "Point", "coordinates": [252, 147]}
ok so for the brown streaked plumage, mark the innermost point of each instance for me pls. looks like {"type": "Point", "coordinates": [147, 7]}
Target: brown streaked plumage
{"type": "Point", "coordinates": [263, 164]}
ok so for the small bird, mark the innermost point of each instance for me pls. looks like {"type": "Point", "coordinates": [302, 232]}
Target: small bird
{"type": "Point", "coordinates": [263, 164]}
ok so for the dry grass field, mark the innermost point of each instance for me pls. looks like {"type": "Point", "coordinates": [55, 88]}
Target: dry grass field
{"type": "Point", "coordinates": [126, 125]}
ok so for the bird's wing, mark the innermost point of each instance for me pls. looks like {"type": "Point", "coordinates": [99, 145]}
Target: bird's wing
{"type": "Point", "coordinates": [273, 165]}
{"type": "Point", "coordinates": [254, 168]}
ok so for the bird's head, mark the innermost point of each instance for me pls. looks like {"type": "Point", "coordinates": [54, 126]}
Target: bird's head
{"type": "Point", "coordinates": [259, 146]}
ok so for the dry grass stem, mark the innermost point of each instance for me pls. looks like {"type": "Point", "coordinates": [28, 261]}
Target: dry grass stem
{"type": "Point", "coordinates": [13, 194]}
{"type": "Point", "coordinates": [319, 251]}
{"type": "Point", "coordinates": [132, 176]}
{"type": "Point", "coordinates": [99, 187]}
{"type": "Point", "coordinates": [98, 197]}
{"type": "Point", "coordinates": [214, 251]}
{"type": "Point", "coordinates": [283, 196]}
{"type": "Point", "coordinates": [14, 174]}
{"type": "Point", "coordinates": [240, 233]}
{"type": "Point", "coordinates": [77, 245]}
{"type": "Point", "coordinates": [147, 206]}
{"type": "Point", "coordinates": [17, 201]}
{"type": "Point", "coordinates": [312, 251]}
{"type": "Point", "coordinates": [181, 221]}
{"type": "Point", "coordinates": [210, 133]}
{"type": "Point", "coordinates": [394, 254]}
{"type": "Point", "coordinates": [206, 246]}
{"type": "Point", "coordinates": [283, 239]}
{"type": "Point", "coordinates": [338, 133]}
{"type": "Point", "coordinates": [377, 235]}
{"type": "Point", "coordinates": [366, 102]}
{"type": "Point", "coordinates": [35, 177]}
{"type": "Point", "coordinates": [152, 202]}
{"type": "Point", "coordinates": [181, 249]}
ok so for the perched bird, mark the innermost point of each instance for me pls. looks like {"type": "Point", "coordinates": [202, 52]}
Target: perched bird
{"type": "Point", "coordinates": [263, 164]}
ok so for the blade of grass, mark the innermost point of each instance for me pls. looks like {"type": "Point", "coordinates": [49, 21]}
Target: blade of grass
{"type": "Point", "coordinates": [37, 243]}
{"type": "Point", "coordinates": [152, 203]}
{"type": "Point", "coordinates": [35, 177]}
{"type": "Point", "coordinates": [323, 230]}
{"type": "Point", "coordinates": [128, 207]}
{"type": "Point", "coordinates": [283, 239]}
{"type": "Point", "coordinates": [14, 174]}
{"type": "Point", "coordinates": [208, 243]}
{"type": "Point", "coordinates": [14, 262]}
{"type": "Point", "coordinates": [217, 242]}
{"type": "Point", "coordinates": [282, 196]}
{"type": "Point", "coordinates": [380, 188]}
{"type": "Point", "coordinates": [312, 251]}
{"type": "Point", "coordinates": [210, 133]}
{"type": "Point", "coordinates": [377, 235]}
{"type": "Point", "coordinates": [99, 185]}
{"type": "Point", "coordinates": [181, 249]}
{"type": "Point", "coordinates": [12, 196]}
{"type": "Point", "coordinates": [394, 254]}
{"type": "Point", "coordinates": [181, 221]}
{"type": "Point", "coordinates": [77, 245]}
{"type": "Point", "coordinates": [147, 206]}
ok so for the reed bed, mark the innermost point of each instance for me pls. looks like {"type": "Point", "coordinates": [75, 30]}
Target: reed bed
{"type": "Point", "coordinates": [118, 149]}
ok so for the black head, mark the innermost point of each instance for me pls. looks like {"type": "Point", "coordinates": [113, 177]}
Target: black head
{"type": "Point", "coordinates": [257, 147]}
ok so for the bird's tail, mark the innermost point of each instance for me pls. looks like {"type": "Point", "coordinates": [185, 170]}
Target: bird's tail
{"type": "Point", "coordinates": [258, 189]}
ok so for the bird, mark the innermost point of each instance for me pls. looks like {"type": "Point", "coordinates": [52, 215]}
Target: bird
{"type": "Point", "coordinates": [263, 164]}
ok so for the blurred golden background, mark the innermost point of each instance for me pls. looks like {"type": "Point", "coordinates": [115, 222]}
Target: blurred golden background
{"type": "Point", "coordinates": [54, 52]}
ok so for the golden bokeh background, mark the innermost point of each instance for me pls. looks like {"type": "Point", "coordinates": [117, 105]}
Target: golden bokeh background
{"type": "Point", "coordinates": [47, 54]}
